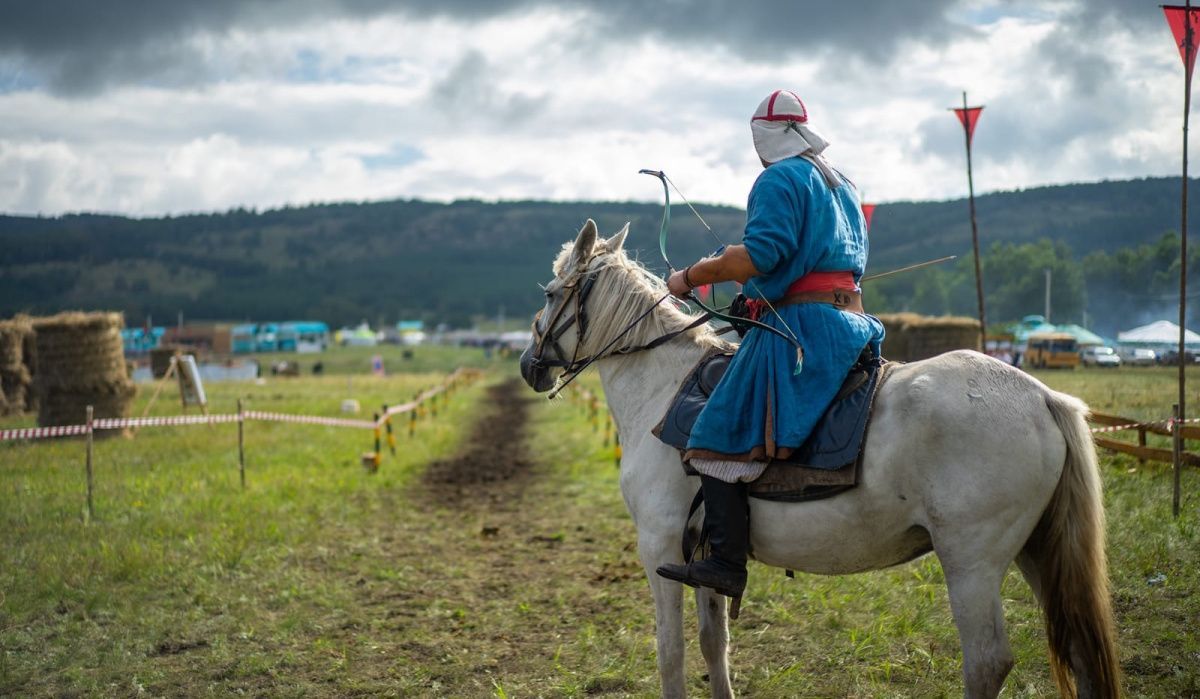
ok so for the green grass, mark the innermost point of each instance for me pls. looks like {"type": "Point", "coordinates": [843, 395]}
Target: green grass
{"type": "Point", "coordinates": [320, 580]}
{"type": "Point", "coordinates": [181, 562]}
{"type": "Point", "coordinates": [396, 359]}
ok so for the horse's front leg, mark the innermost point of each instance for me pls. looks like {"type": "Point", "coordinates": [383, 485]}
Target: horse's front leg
{"type": "Point", "coordinates": [714, 640]}
{"type": "Point", "coordinates": [655, 550]}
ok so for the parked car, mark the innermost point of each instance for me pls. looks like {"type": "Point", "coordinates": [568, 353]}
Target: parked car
{"type": "Point", "coordinates": [1099, 355]}
{"type": "Point", "coordinates": [1139, 357]}
{"type": "Point", "coordinates": [1171, 358]}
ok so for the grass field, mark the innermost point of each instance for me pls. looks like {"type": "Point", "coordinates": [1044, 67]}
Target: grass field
{"type": "Point", "coordinates": [322, 580]}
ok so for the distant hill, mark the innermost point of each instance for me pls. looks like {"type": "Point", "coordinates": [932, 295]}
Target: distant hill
{"type": "Point", "coordinates": [344, 263]}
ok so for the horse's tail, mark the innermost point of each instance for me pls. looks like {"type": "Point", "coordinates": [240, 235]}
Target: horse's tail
{"type": "Point", "coordinates": [1068, 548]}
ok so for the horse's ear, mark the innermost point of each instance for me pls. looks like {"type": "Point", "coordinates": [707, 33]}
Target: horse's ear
{"type": "Point", "coordinates": [584, 246]}
{"type": "Point", "coordinates": [616, 242]}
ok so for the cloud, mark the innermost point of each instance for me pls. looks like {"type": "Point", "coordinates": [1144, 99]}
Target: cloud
{"type": "Point", "coordinates": [469, 92]}
{"type": "Point", "coordinates": [149, 107]}
{"type": "Point", "coordinates": [82, 47]}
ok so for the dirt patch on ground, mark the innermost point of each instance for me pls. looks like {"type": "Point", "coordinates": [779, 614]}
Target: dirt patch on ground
{"type": "Point", "coordinates": [493, 455]}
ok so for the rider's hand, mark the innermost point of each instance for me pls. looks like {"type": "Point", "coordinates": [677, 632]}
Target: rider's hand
{"type": "Point", "coordinates": [676, 284]}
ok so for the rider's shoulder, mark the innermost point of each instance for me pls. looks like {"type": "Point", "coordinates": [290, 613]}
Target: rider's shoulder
{"type": "Point", "coordinates": [791, 173]}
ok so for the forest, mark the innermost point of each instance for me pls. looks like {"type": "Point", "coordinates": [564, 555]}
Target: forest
{"type": "Point", "coordinates": [1112, 249]}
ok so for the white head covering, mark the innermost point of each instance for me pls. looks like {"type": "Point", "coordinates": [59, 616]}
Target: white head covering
{"type": "Point", "coordinates": [780, 129]}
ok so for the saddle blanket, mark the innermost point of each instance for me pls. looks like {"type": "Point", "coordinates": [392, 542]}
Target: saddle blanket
{"type": "Point", "coordinates": [829, 461]}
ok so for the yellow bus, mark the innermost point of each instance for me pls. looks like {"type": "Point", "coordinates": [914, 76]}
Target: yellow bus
{"type": "Point", "coordinates": [1052, 351]}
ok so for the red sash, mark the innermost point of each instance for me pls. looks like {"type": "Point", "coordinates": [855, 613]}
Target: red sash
{"type": "Point", "coordinates": [813, 281]}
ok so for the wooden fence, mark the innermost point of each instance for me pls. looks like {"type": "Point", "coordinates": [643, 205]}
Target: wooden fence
{"type": "Point", "coordinates": [1141, 450]}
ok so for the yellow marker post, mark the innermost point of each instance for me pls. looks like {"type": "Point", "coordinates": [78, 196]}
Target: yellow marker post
{"type": "Point", "coordinates": [378, 451]}
{"type": "Point", "coordinates": [391, 436]}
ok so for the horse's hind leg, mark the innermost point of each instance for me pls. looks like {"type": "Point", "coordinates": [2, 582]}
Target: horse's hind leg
{"type": "Point", "coordinates": [979, 616]}
{"type": "Point", "coordinates": [714, 640]}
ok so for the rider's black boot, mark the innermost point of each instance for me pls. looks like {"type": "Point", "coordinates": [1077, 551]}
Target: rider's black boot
{"type": "Point", "coordinates": [727, 520]}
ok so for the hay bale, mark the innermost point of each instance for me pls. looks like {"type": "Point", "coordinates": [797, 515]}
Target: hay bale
{"type": "Point", "coordinates": [15, 378]}
{"type": "Point", "coordinates": [16, 386]}
{"type": "Point", "coordinates": [29, 358]}
{"type": "Point", "coordinates": [911, 337]}
{"type": "Point", "coordinates": [81, 362]}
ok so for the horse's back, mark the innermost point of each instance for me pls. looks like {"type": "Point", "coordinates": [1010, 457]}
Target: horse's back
{"type": "Point", "coordinates": [959, 445]}
{"type": "Point", "coordinates": [971, 435]}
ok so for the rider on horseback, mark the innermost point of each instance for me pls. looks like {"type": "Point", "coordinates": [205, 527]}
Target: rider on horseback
{"type": "Point", "coordinates": [802, 255]}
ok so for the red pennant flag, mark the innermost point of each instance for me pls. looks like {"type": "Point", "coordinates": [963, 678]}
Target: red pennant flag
{"type": "Point", "coordinates": [868, 210]}
{"type": "Point", "coordinates": [968, 116]}
{"type": "Point", "coordinates": [1176, 20]}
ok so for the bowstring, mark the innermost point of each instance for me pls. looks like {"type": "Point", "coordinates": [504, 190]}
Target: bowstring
{"type": "Point", "coordinates": [723, 244]}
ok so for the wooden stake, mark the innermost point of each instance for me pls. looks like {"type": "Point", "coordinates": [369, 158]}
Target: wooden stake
{"type": "Point", "coordinates": [1177, 449]}
{"type": "Point", "coordinates": [171, 369]}
{"type": "Point", "coordinates": [241, 444]}
{"type": "Point", "coordinates": [90, 429]}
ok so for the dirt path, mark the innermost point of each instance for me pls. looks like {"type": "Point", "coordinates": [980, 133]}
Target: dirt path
{"type": "Point", "coordinates": [494, 462]}
{"type": "Point", "coordinates": [490, 570]}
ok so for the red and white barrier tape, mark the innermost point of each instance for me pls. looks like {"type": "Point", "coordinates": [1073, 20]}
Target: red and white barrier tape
{"type": "Point", "coordinates": [171, 420]}
{"type": "Point", "coordinates": [43, 432]}
{"type": "Point", "coordinates": [1116, 428]}
{"type": "Point", "coordinates": [309, 419]}
{"type": "Point", "coordinates": [123, 422]}
{"type": "Point", "coordinates": [1165, 424]}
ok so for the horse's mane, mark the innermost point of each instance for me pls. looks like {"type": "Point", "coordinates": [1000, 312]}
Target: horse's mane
{"type": "Point", "coordinates": [623, 290]}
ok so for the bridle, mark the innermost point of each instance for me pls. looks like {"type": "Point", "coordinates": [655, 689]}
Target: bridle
{"type": "Point", "coordinates": [577, 291]}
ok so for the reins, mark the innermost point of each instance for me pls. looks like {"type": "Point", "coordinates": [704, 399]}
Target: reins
{"type": "Point", "coordinates": [577, 364]}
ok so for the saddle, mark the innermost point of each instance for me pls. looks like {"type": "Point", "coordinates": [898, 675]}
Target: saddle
{"type": "Point", "coordinates": [830, 459]}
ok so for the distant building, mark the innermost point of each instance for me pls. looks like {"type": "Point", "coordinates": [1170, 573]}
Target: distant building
{"type": "Point", "coordinates": [201, 338]}
{"type": "Point", "coordinates": [138, 341]}
{"type": "Point", "coordinates": [362, 336]}
{"type": "Point", "coordinates": [411, 332]}
{"type": "Point", "coordinates": [288, 336]}
{"type": "Point", "coordinates": [305, 336]}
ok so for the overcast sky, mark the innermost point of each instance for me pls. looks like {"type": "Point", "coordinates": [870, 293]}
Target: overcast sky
{"type": "Point", "coordinates": [148, 107]}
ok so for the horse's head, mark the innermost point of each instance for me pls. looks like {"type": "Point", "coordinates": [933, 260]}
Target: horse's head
{"type": "Point", "coordinates": [560, 329]}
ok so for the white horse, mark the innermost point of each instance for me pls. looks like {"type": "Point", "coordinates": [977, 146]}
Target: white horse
{"type": "Point", "coordinates": [966, 457]}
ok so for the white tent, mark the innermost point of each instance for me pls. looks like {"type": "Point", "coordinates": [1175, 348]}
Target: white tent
{"type": "Point", "coordinates": [1160, 332]}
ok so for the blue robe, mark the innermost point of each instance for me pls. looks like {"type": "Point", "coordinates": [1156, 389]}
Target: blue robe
{"type": "Point", "coordinates": [795, 224]}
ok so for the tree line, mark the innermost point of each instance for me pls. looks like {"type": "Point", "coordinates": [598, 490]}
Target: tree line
{"type": "Point", "coordinates": [1111, 248]}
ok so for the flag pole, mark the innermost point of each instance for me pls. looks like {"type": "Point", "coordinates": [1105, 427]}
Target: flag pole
{"type": "Point", "coordinates": [965, 118]}
{"type": "Point", "coordinates": [1189, 48]}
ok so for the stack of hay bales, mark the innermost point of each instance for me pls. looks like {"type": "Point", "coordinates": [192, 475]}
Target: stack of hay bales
{"type": "Point", "coordinates": [29, 357]}
{"type": "Point", "coordinates": [15, 378]}
{"type": "Point", "coordinates": [81, 362]}
{"type": "Point", "coordinates": [911, 337]}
